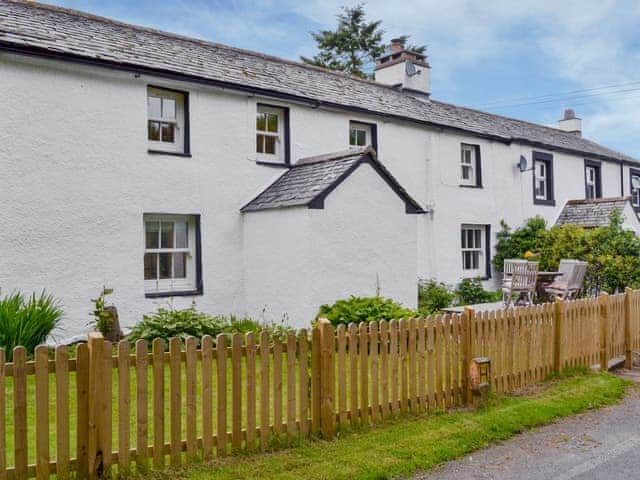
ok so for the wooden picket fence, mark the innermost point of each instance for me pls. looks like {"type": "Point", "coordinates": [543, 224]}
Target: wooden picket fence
{"type": "Point", "coordinates": [110, 410]}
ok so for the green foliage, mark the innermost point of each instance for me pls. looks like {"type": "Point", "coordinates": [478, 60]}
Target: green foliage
{"type": "Point", "coordinates": [189, 322]}
{"type": "Point", "coordinates": [433, 296]}
{"type": "Point", "coordinates": [104, 318]}
{"type": "Point", "coordinates": [353, 46]}
{"type": "Point", "coordinates": [27, 321]}
{"type": "Point", "coordinates": [363, 309]}
{"type": "Point", "coordinates": [470, 291]}
{"type": "Point", "coordinates": [613, 253]}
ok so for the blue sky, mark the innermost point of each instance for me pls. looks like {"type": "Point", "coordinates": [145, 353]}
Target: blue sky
{"type": "Point", "coordinates": [525, 59]}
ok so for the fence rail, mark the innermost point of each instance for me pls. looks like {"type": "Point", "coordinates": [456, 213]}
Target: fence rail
{"type": "Point", "coordinates": [114, 408]}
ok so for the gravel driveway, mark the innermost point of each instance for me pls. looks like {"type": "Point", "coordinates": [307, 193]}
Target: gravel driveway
{"type": "Point", "coordinates": [603, 444]}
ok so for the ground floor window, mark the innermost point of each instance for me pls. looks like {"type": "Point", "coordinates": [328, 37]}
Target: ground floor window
{"type": "Point", "coordinates": [474, 243]}
{"type": "Point", "coordinates": [171, 263]}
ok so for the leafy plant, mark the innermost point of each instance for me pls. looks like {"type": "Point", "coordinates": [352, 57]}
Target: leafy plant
{"type": "Point", "coordinates": [470, 291]}
{"type": "Point", "coordinates": [515, 244]}
{"type": "Point", "coordinates": [27, 321]}
{"type": "Point", "coordinates": [433, 296]}
{"type": "Point", "coordinates": [363, 309]}
{"type": "Point", "coordinates": [105, 315]}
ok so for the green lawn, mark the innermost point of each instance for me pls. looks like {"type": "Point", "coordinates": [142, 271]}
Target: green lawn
{"type": "Point", "coordinates": [406, 445]}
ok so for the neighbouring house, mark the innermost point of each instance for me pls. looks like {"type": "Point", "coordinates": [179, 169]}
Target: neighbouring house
{"type": "Point", "coordinates": [596, 212]}
{"type": "Point", "coordinates": [174, 169]}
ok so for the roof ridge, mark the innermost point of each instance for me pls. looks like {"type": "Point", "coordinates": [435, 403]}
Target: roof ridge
{"type": "Point", "coordinates": [587, 201]}
{"type": "Point", "coordinates": [201, 41]}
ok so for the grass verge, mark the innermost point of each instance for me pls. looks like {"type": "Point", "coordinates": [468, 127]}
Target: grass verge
{"type": "Point", "coordinates": [418, 443]}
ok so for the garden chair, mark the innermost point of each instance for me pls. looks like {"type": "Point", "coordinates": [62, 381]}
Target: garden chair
{"type": "Point", "coordinates": [522, 284]}
{"type": "Point", "coordinates": [507, 269]}
{"type": "Point", "coordinates": [577, 281]}
{"type": "Point", "coordinates": [559, 288]}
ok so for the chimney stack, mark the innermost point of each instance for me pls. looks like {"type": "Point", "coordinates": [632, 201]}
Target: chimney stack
{"type": "Point", "coordinates": [404, 69]}
{"type": "Point", "coordinates": [570, 123]}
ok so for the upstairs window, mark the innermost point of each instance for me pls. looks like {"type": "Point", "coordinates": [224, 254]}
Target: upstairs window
{"type": "Point", "coordinates": [592, 180]}
{"type": "Point", "coordinates": [362, 135]}
{"type": "Point", "coordinates": [543, 179]}
{"type": "Point", "coordinates": [170, 254]}
{"type": "Point", "coordinates": [272, 134]}
{"type": "Point", "coordinates": [166, 121]}
{"type": "Point", "coordinates": [470, 167]}
{"type": "Point", "coordinates": [635, 187]}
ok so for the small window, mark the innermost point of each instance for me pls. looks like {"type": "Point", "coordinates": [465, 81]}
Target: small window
{"type": "Point", "coordinates": [635, 187]}
{"type": "Point", "coordinates": [271, 132]}
{"type": "Point", "coordinates": [474, 250]}
{"type": "Point", "coordinates": [592, 180]}
{"type": "Point", "coordinates": [543, 179]}
{"type": "Point", "coordinates": [360, 135]}
{"type": "Point", "coordinates": [470, 175]}
{"type": "Point", "coordinates": [166, 124]}
{"type": "Point", "coordinates": [170, 254]}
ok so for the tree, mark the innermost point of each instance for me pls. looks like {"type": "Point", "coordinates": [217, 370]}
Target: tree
{"type": "Point", "coordinates": [353, 46]}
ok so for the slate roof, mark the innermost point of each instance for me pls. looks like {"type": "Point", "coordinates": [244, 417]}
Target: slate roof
{"type": "Point", "coordinates": [591, 213]}
{"type": "Point", "coordinates": [34, 28]}
{"type": "Point", "coordinates": [311, 179]}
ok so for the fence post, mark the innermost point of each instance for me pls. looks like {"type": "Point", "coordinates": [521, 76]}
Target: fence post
{"type": "Point", "coordinates": [628, 360]}
{"type": "Point", "coordinates": [559, 314]}
{"type": "Point", "coordinates": [95, 417]}
{"type": "Point", "coordinates": [603, 301]}
{"type": "Point", "coordinates": [327, 379]}
{"type": "Point", "coordinates": [468, 316]}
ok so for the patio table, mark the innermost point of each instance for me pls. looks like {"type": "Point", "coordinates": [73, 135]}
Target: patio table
{"type": "Point", "coordinates": [543, 279]}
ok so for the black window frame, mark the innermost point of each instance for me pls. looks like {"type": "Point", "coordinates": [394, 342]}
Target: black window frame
{"type": "Point", "coordinates": [187, 131]}
{"type": "Point", "coordinates": [598, 167]}
{"type": "Point", "coordinates": [547, 158]}
{"type": "Point", "coordinates": [286, 136]}
{"type": "Point", "coordinates": [633, 172]}
{"type": "Point", "coordinates": [374, 133]}
{"type": "Point", "coordinates": [478, 165]}
{"type": "Point", "coordinates": [199, 288]}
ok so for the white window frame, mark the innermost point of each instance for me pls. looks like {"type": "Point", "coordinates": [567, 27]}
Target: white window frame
{"type": "Point", "coordinates": [635, 192]}
{"type": "Point", "coordinates": [178, 144]}
{"type": "Point", "coordinates": [541, 179]}
{"type": "Point", "coordinates": [468, 161]}
{"type": "Point", "coordinates": [365, 129]}
{"type": "Point", "coordinates": [475, 250]}
{"type": "Point", "coordinates": [279, 155]}
{"type": "Point", "coordinates": [591, 181]}
{"type": "Point", "coordinates": [173, 285]}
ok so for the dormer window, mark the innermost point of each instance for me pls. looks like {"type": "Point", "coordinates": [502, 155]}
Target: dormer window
{"type": "Point", "coordinates": [362, 135]}
{"type": "Point", "coordinates": [166, 121]}
{"type": "Point", "coordinates": [272, 134]}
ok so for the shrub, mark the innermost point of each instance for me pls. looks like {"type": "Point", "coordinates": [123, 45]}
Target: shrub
{"type": "Point", "coordinates": [27, 321]}
{"type": "Point", "coordinates": [470, 291]}
{"type": "Point", "coordinates": [531, 237]}
{"type": "Point", "coordinates": [433, 296]}
{"type": "Point", "coordinates": [363, 309]}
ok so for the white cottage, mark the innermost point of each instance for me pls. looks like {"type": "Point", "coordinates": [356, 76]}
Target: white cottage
{"type": "Point", "coordinates": [174, 169]}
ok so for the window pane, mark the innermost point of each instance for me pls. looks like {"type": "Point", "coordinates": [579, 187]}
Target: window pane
{"type": "Point", "coordinates": [154, 131]}
{"type": "Point", "coordinates": [153, 107]}
{"type": "Point", "coordinates": [466, 172]}
{"type": "Point", "coordinates": [463, 239]}
{"type": "Point", "coordinates": [152, 230]}
{"type": "Point", "coordinates": [477, 238]}
{"type": "Point", "coordinates": [179, 265]}
{"type": "Point", "coordinates": [261, 122]}
{"type": "Point", "coordinates": [168, 134]}
{"type": "Point", "coordinates": [165, 265]}
{"type": "Point", "coordinates": [476, 260]}
{"type": "Point", "coordinates": [272, 123]}
{"type": "Point", "coordinates": [181, 234]}
{"type": "Point", "coordinates": [150, 266]}
{"type": "Point", "coordinates": [169, 108]}
{"type": "Point", "coordinates": [353, 137]}
{"type": "Point", "coordinates": [362, 138]}
{"type": "Point", "coordinates": [166, 235]}
{"type": "Point", "coordinates": [635, 181]}
{"type": "Point", "coordinates": [270, 145]}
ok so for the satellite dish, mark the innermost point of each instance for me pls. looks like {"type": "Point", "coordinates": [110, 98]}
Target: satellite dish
{"type": "Point", "coordinates": [522, 164]}
{"type": "Point", "coordinates": [410, 69]}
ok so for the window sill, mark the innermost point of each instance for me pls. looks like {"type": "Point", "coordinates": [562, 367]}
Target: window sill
{"type": "Point", "coordinates": [470, 186]}
{"type": "Point", "coordinates": [548, 203]}
{"type": "Point", "coordinates": [174, 154]}
{"type": "Point", "coordinates": [185, 293]}
{"type": "Point", "coordinates": [273, 164]}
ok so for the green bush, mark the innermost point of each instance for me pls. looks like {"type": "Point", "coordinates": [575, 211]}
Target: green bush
{"type": "Point", "coordinates": [470, 291]}
{"type": "Point", "coordinates": [531, 237]}
{"type": "Point", "coordinates": [189, 322]}
{"type": "Point", "coordinates": [433, 296]}
{"type": "Point", "coordinates": [27, 321]}
{"type": "Point", "coordinates": [364, 309]}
